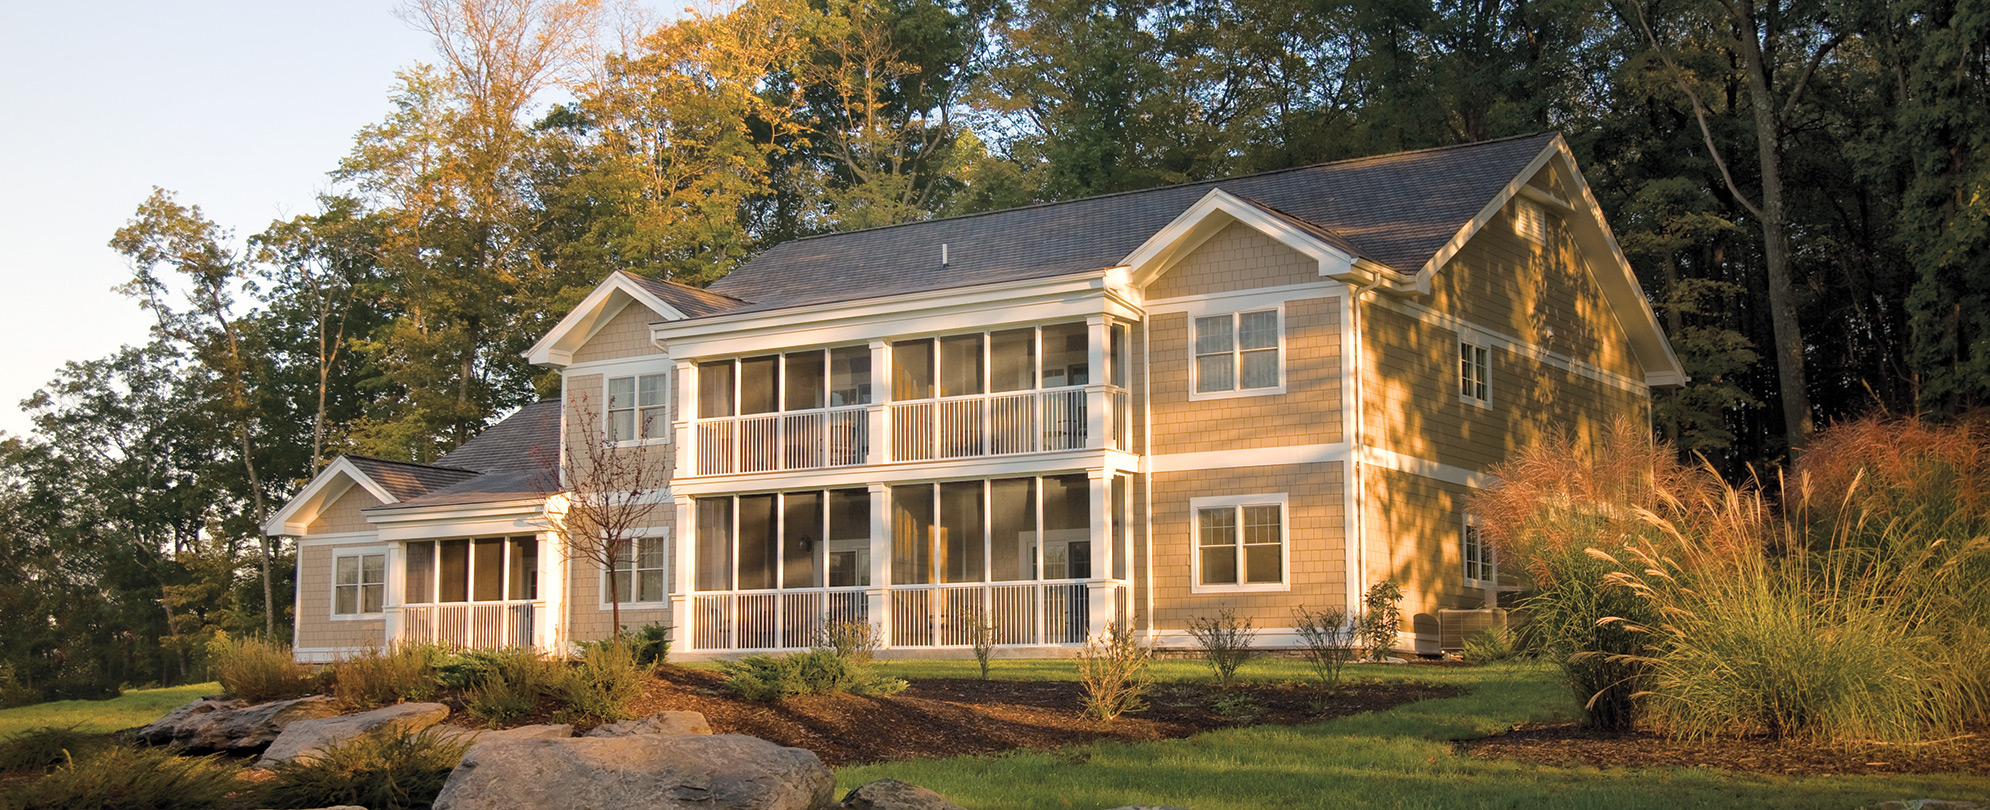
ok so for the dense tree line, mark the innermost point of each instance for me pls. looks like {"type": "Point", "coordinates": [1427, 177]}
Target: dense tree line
{"type": "Point", "coordinates": [1801, 185]}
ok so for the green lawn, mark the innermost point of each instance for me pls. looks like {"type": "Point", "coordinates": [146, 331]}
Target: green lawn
{"type": "Point", "coordinates": [1395, 759]}
{"type": "Point", "coordinates": [134, 708]}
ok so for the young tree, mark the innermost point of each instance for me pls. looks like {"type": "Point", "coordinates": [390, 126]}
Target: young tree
{"type": "Point", "coordinates": [316, 266]}
{"type": "Point", "coordinates": [606, 496]}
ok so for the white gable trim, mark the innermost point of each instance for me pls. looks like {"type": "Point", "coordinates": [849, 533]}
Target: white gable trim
{"type": "Point", "coordinates": [297, 514]}
{"type": "Point", "coordinates": [594, 312]}
{"type": "Point", "coordinates": [1211, 214]}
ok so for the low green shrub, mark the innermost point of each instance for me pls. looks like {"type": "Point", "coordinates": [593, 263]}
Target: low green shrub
{"type": "Point", "coordinates": [599, 687]}
{"type": "Point", "coordinates": [400, 772]}
{"type": "Point", "coordinates": [510, 685]}
{"type": "Point", "coordinates": [1381, 619]}
{"type": "Point", "coordinates": [1326, 638]}
{"type": "Point", "coordinates": [40, 749]}
{"type": "Point", "coordinates": [1491, 645]}
{"type": "Point", "coordinates": [378, 677]}
{"type": "Point", "coordinates": [1226, 643]}
{"type": "Point", "coordinates": [768, 679]}
{"type": "Point", "coordinates": [256, 670]}
{"type": "Point", "coordinates": [850, 639]}
{"type": "Point", "coordinates": [650, 645]}
{"type": "Point", "coordinates": [1113, 671]}
{"type": "Point", "coordinates": [12, 691]}
{"type": "Point", "coordinates": [120, 777]}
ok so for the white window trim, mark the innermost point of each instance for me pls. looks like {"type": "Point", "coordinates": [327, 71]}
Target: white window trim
{"type": "Point", "coordinates": [1476, 341]}
{"type": "Point", "coordinates": [332, 595]}
{"type": "Point", "coordinates": [1278, 499]}
{"type": "Point", "coordinates": [663, 536]}
{"type": "Point", "coordinates": [1237, 367]}
{"type": "Point", "coordinates": [635, 375]}
{"type": "Point", "coordinates": [1465, 528]}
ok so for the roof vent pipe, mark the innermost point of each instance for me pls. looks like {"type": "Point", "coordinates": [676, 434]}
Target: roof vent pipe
{"type": "Point", "coordinates": [943, 254]}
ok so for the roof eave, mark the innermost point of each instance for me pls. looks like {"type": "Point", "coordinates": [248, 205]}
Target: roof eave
{"type": "Point", "coordinates": [556, 348]}
{"type": "Point", "coordinates": [323, 488]}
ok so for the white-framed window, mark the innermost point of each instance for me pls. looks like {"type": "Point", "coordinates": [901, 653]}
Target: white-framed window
{"type": "Point", "coordinates": [1530, 220]}
{"type": "Point", "coordinates": [1474, 371]}
{"type": "Point", "coordinates": [639, 572]}
{"type": "Point", "coordinates": [1480, 568]}
{"type": "Point", "coordinates": [636, 411]}
{"type": "Point", "coordinates": [359, 583]}
{"type": "Point", "coordinates": [1238, 354]}
{"type": "Point", "coordinates": [1240, 542]}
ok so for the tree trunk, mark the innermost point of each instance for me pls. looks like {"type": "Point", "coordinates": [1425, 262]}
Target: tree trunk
{"type": "Point", "coordinates": [1788, 332]}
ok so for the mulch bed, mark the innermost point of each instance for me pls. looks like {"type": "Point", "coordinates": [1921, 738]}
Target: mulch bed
{"type": "Point", "coordinates": [945, 717]}
{"type": "Point", "coordinates": [1571, 743]}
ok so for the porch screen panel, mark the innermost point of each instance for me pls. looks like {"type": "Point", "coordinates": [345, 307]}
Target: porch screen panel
{"type": "Point", "coordinates": [801, 536]}
{"type": "Point", "coordinates": [715, 389]}
{"type": "Point", "coordinates": [524, 581]}
{"type": "Point", "coordinates": [804, 381]}
{"type": "Point", "coordinates": [1012, 520]}
{"type": "Point", "coordinates": [759, 544]}
{"type": "Point", "coordinates": [1116, 346]}
{"type": "Point", "coordinates": [759, 385]}
{"type": "Point", "coordinates": [1012, 360]}
{"type": "Point", "coordinates": [960, 365]}
{"type": "Point", "coordinates": [420, 570]}
{"type": "Point", "coordinates": [849, 538]}
{"type": "Point", "coordinates": [453, 583]}
{"type": "Point", "coordinates": [850, 376]}
{"type": "Point", "coordinates": [1065, 355]}
{"type": "Point", "coordinates": [962, 531]}
{"type": "Point", "coordinates": [714, 532]}
{"type": "Point", "coordinates": [1122, 551]}
{"type": "Point", "coordinates": [1067, 527]}
{"type": "Point", "coordinates": [912, 370]}
{"type": "Point", "coordinates": [487, 577]}
{"type": "Point", "coordinates": [912, 533]}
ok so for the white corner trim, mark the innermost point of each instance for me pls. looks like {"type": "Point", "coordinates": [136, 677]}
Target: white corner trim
{"type": "Point", "coordinates": [1234, 459]}
{"type": "Point", "coordinates": [1391, 460]}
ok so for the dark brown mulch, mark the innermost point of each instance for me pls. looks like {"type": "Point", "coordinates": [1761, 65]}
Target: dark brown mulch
{"type": "Point", "coordinates": [946, 717]}
{"type": "Point", "coordinates": [1571, 743]}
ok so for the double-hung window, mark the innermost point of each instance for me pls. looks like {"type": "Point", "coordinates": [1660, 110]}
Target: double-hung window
{"type": "Point", "coordinates": [359, 584]}
{"type": "Point", "coordinates": [1238, 352]}
{"type": "Point", "coordinates": [1480, 570]}
{"type": "Point", "coordinates": [1474, 372]}
{"type": "Point", "coordinates": [639, 573]}
{"type": "Point", "coordinates": [636, 408]}
{"type": "Point", "coordinates": [1240, 542]}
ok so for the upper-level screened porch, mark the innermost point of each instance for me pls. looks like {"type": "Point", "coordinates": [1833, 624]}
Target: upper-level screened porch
{"type": "Point", "coordinates": [994, 392]}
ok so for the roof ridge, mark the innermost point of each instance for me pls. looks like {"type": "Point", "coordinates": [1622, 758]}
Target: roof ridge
{"type": "Point", "coordinates": [411, 463]}
{"type": "Point", "coordinates": [1131, 191]}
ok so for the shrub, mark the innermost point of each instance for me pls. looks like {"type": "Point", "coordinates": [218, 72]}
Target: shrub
{"type": "Point", "coordinates": [256, 670]}
{"type": "Point", "coordinates": [599, 687]}
{"type": "Point", "coordinates": [1381, 619]}
{"type": "Point", "coordinates": [38, 750]}
{"type": "Point", "coordinates": [850, 639]}
{"type": "Point", "coordinates": [1327, 639]}
{"type": "Point", "coordinates": [507, 684]}
{"type": "Point", "coordinates": [12, 691]}
{"type": "Point", "coordinates": [377, 677]}
{"type": "Point", "coordinates": [1113, 670]}
{"type": "Point", "coordinates": [125, 778]}
{"type": "Point", "coordinates": [1491, 645]}
{"type": "Point", "coordinates": [984, 642]}
{"type": "Point", "coordinates": [1225, 642]}
{"type": "Point", "coordinates": [398, 772]}
{"type": "Point", "coordinates": [769, 679]}
{"type": "Point", "coordinates": [650, 645]}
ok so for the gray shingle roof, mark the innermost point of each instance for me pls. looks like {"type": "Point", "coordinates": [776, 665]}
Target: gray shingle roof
{"type": "Point", "coordinates": [512, 460]}
{"type": "Point", "coordinates": [691, 301]}
{"type": "Point", "coordinates": [1397, 210]}
{"type": "Point", "coordinates": [404, 480]}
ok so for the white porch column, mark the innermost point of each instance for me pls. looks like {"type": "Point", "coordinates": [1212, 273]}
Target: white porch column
{"type": "Point", "coordinates": [877, 598]}
{"type": "Point", "coordinates": [1099, 599]}
{"type": "Point", "coordinates": [1095, 383]}
{"type": "Point", "coordinates": [876, 450]}
{"type": "Point", "coordinates": [549, 611]}
{"type": "Point", "coordinates": [397, 590]}
{"type": "Point", "coordinates": [683, 567]}
{"type": "Point", "coordinates": [686, 407]}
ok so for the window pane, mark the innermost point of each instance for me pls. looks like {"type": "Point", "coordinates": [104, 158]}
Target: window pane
{"type": "Point", "coordinates": [420, 572]}
{"type": "Point", "coordinates": [455, 567]}
{"type": "Point", "coordinates": [850, 376]}
{"type": "Point", "coordinates": [1214, 372]}
{"type": "Point", "coordinates": [911, 534]}
{"type": "Point", "coordinates": [1012, 360]}
{"type": "Point", "coordinates": [1261, 524]}
{"type": "Point", "coordinates": [912, 370]}
{"type": "Point", "coordinates": [849, 537]}
{"type": "Point", "coordinates": [1065, 355]}
{"type": "Point", "coordinates": [524, 582]}
{"type": "Point", "coordinates": [1257, 330]}
{"type": "Point", "coordinates": [1217, 527]}
{"type": "Point", "coordinates": [649, 586]}
{"type": "Point", "coordinates": [1212, 335]}
{"type": "Point", "coordinates": [801, 535]}
{"type": "Point", "coordinates": [715, 389]}
{"type": "Point", "coordinates": [649, 553]}
{"type": "Point", "coordinates": [620, 587]}
{"type": "Point", "coordinates": [1013, 515]}
{"type": "Point", "coordinates": [655, 423]}
{"type": "Point", "coordinates": [960, 365]}
{"type": "Point", "coordinates": [758, 385]}
{"type": "Point", "coordinates": [961, 524]}
{"type": "Point", "coordinates": [372, 598]}
{"type": "Point", "coordinates": [758, 543]}
{"type": "Point", "coordinates": [804, 387]}
{"type": "Point", "coordinates": [373, 569]}
{"type": "Point", "coordinates": [345, 571]}
{"type": "Point", "coordinates": [1219, 565]}
{"type": "Point", "coordinates": [621, 392]}
{"type": "Point", "coordinates": [714, 532]}
{"type": "Point", "coordinates": [488, 558]}
{"type": "Point", "coordinates": [1260, 369]}
{"type": "Point", "coordinates": [621, 425]}
{"type": "Point", "coordinates": [1262, 564]}
{"type": "Point", "coordinates": [345, 600]}
{"type": "Point", "coordinates": [649, 389]}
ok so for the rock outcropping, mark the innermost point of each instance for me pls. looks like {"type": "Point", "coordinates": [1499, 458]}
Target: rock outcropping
{"type": "Point", "coordinates": [655, 772]}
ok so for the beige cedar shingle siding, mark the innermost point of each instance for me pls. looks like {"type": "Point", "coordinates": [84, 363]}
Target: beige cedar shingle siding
{"type": "Point", "coordinates": [1316, 513]}
{"type": "Point", "coordinates": [1239, 257]}
{"type": "Point", "coordinates": [315, 626]}
{"type": "Point", "coordinates": [1413, 524]}
{"type": "Point", "coordinates": [1307, 413]}
{"type": "Point", "coordinates": [584, 401]}
{"type": "Point", "coordinates": [588, 617]}
{"type": "Point", "coordinates": [625, 335]}
{"type": "Point", "coordinates": [344, 515]}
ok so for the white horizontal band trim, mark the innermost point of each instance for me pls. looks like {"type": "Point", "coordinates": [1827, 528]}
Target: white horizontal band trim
{"type": "Point", "coordinates": [1231, 459]}
{"type": "Point", "coordinates": [1391, 460]}
{"type": "Point", "coordinates": [1530, 351]}
{"type": "Point", "coordinates": [1239, 300]}
{"type": "Point", "coordinates": [338, 538]}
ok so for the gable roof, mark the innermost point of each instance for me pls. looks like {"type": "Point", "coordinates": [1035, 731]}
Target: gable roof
{"type": "Point", "coordinates": [669, 300]}
{"type": "Point", "coordinates": [404, 480]}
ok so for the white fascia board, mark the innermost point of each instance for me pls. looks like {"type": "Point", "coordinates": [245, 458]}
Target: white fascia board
{"type": "Point", "coordinates": [983, 307]}
{"type": "Point", "coordinates": [557, 347]}
{"type": "Point", "coordinates": [296, 514]}
{"type": "Point", "coordinates": [519, 506]}
{"type": "Point", "coordinates": [1217, 210]}
{"type": "Point", "coordinates": [484, 523]}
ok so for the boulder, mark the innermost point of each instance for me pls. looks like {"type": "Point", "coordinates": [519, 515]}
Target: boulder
{"type": "Point", "coordinates": [704, 771]}
{"type": "Point", "coordinates": [305, 739]}
{"type": "Point", "coordinates": [659, 723]}
{"type": "Point", "coordinates": [1930, 804]}
{"type": "Point", "coordinates": [891, 794]}
{"type": "Point", "coordinates": [213, 724]}
{"type": "Point", "coordinates": [473, 736]}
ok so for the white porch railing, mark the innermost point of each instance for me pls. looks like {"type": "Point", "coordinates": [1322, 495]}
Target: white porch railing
{"type": "Point", "coordinates": [472, 625]}
{"type": "Point", "coordinates": [805, 440]}
{"type": "Point", "coordinates": [1018, 613]}
{"type": "Point", "coordinates": [988, 425]}
{"type": "Point", "coordinates": [771, 620]}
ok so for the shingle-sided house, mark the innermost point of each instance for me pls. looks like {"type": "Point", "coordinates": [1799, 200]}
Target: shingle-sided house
{"type": "Point", "coordinates": [1260, 393]}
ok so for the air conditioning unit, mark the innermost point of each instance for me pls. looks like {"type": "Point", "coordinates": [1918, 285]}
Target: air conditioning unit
{"type": "Point", "coordinates": [1455, 626]}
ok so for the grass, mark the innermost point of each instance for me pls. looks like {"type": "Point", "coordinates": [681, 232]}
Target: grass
{"type": "Point", "coordinates": [134, 708]}
{"type": "Point", "coordinates": [1395, 759]}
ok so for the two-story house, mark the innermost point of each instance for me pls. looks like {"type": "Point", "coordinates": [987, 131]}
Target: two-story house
{"type": "Point", "coordinates": [1260, 393]}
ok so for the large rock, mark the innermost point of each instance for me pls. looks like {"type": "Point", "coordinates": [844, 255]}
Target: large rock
{"type": "Point", "coordinates": [891, 794]}
{"type": "Point", "coordinates": [212, 724]}
{"type": "Point", "coordinates": [708, 772]}
{"type": "Point", "coordinates": [306, 739]}
{"type": "Point", "coordinates": [472, 736]}
{"type": "Point", "coordinates": [659, 723]}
